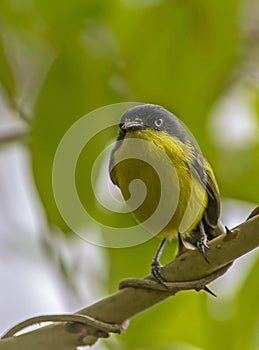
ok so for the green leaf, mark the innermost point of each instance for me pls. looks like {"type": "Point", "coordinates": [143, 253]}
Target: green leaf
{"type": "Point", "coordinates": [75, 85]}
{"type": "Point", "coordinates": [179, 54]}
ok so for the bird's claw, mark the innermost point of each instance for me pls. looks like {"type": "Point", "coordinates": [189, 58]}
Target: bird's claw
{"type": "Point", "coordinates": [156, 271]}
{"type": "Point", "coordinates": [201, 245]}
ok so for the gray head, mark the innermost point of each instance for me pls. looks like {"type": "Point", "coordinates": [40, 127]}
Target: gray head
{"type": "Point", "coordinates": [154, 117]}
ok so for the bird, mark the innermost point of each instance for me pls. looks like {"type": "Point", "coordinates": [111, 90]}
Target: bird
{"type": "Point", "coordinates": [167, 183]}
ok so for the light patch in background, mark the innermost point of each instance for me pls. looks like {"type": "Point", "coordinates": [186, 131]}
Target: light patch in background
{"type": "Point", "coordinates": [108, 195]}
{"type": "Point", "coordinates": [226, 287]}
{"type": "Point", "coordinates": [32, 281]}
{"type": "Point", "coordinates": [233, 120]}
{"type": "Point", "coordinates": [29, 64]}
{"type": "Point", "coordinates": [27, 283]}
{"type": "Point", "coordinates": [8, 119]}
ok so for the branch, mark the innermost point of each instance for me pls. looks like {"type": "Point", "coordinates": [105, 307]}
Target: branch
{"type": "Point", "coordinates": [188, 270]}
{"type": "Point", "coordinates": [13, 136]}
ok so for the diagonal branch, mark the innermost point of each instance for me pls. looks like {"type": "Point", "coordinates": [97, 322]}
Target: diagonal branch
{"type": "Point", "coordinates": [188, 270]}
{"type": "Point", "coordinates": [16, 135]}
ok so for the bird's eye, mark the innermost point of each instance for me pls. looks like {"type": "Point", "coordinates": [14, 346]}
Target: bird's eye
{"type": "Point", "coordinates": [158, 122]}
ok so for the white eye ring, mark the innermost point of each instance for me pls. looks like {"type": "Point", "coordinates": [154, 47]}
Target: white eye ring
{"type": "Point", "coordinates": [158, 122]}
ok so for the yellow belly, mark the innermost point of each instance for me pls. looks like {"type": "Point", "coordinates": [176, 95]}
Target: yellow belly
{"type": "Point", "coordinates": [157, 184]}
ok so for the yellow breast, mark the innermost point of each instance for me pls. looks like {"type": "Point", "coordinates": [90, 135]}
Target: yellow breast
{"type": "Point", "coordinates": [153, 172]}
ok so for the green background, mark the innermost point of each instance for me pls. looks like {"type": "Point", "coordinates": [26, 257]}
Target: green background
{"type": "Point", "coordinates": [62, 59]}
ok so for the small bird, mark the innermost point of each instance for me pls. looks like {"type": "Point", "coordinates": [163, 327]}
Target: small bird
{"type": "Point", "coordinates": [165, 180]}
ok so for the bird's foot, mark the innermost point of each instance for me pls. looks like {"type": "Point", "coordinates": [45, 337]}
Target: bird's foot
{"type": "Point", "coordinates": [156, 271]}
{"type": "Point", "coordinates": [202, 246]}
{"type": "Point", "coordinates": [202, 241]}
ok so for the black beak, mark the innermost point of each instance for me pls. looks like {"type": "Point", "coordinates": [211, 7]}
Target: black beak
{"type": "Point", "coordinates": [132, 126]}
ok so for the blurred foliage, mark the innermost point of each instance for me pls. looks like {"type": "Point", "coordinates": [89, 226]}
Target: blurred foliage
{"type": "Point", "coordinates": [60, 60]}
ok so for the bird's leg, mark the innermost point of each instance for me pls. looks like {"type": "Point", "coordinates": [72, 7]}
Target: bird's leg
{"type": "Point", "coordinates": [202, 241]}
{"type": "Point", "coordinates": [155, 265]}
{"type": "Point", "coordinates": [181, 246]}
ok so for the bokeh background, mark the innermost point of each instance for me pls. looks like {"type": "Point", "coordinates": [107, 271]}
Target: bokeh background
{"type": "Point", "coordinates": [62, 59]}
